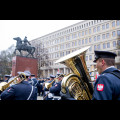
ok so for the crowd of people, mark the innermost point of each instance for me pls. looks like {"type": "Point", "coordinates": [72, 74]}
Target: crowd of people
{"type": "Point", "coordinates": [30, 87]}
{"type": "Point", "coordinates": [106, 87]}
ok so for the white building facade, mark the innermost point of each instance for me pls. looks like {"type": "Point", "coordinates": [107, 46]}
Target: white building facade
{"type": "Point", "coordinates": [99, 34]}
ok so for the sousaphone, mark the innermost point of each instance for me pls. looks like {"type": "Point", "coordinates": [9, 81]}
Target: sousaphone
{"type": "Point", "coordinates": [77, 82]}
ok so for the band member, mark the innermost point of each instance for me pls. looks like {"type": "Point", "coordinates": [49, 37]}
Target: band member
{"type": "Point", "coordinates": [107, 85]}
{"type": "Point", "coordinates": [56, 88]}
{"type": "Point", "coordinates": [6, 78]}
{"type": "Point", "coordinates": [46, 91]}
{"type": "Point", "coordinates": [35, 83]}
{"type": "Point", "coordinates": [21, 91]}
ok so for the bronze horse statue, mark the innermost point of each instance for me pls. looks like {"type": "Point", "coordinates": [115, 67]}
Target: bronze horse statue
{"type": "Point", "coordinates": [21, 46]}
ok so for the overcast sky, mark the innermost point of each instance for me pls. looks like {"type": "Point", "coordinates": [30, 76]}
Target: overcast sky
{"type": "Point", "coordinates": [30, 28]}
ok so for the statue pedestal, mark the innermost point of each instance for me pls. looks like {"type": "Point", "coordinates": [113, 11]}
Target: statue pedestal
{"type": "Point", "coordinates": [20, 63]}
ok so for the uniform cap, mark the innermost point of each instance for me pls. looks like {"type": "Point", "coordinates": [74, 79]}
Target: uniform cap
{"type": "Point", "coordinates": [7, 76]}
{"type": "Point", "coordinates": [27, 73]}
{"type": "Point", "coordinates": [52, 76]}
{"type": "Point", "coordinates": [104, 54]}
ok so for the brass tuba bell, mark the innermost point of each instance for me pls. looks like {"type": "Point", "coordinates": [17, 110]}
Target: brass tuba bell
{"type": "Point", "coordinates": [78, 82]}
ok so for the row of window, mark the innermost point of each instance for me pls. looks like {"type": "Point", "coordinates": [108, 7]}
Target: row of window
{"type": "Point", "coordinates": [94, 47]}
{"type": "Point", "coordinates": [81, 26]}
{"type": "Point", "coordinates": [84, 41]}
{"type": "Point", "coordinates": [79, 35]}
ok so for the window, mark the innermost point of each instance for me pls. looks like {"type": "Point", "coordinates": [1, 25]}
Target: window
{"type": "Point", "coordinates": [103, 27]}
{"type": "Point", "coordinates": [90, 40]}
{"type": "Point", "coordinates": [107, 25]}
{"type": "Point", "coordinates": [82, 33]}
{"type": "Point", "coordinates": [98, 47]}
{"type": "Point", "coordinates": [98, 28]}
{"type": "Point", "coordinates": [60, 54]}
{"type": "Point", "coordinates": [86, 41]}
{"type": "Point", "coordinates": [86, 32]}
{"type": "Point", "coordinates": [118, 32]}
{"type": "Point", "coordinates": [82, 41]}
{"type": "Point", "coordinates": [79, 34]}
{"type": "Point", "coordinates": [67, 37]}
{"type": "Point", "coordinates": [94, 29]}
{"type": "Point", "coordinates": [98, 37]}
{"type": "Point", "coordinates": [75, 43]}
{"type": "Point", "coordinates": [94, 47]}
{"type": "Point", "coordinates": [103, 36]}
{"type": "Point", "coordinates": [107, 35]}
{"type": "Point", "coordinates": [89, 31]}
{"type": "Point", "coordinates": [79, 42]}
{"type": "Point", "coordinates": [118, 22]}
{"type": "Point", "coordinates": [104, 46]}
{"type": "Point", "coordinates": [94, 38]}
{"type": "Point", "coordinates": [108, 45]}
{"type": "Point", "coordinates": [114, 43]}
{"type": "Point", "coordinates": [113, 34]}
{"type": "Point", "coordinates": [113, 24]}
{"type": "Point", "coordinates": [90, 57]}
{"type": "Point", "coordinates": [72, 43]}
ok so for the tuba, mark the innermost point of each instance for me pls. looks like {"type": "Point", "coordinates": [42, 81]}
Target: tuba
{"type": "Point", "coordinates": [5, 85]}
{"type": "Point", "coordinates": [78, 82]}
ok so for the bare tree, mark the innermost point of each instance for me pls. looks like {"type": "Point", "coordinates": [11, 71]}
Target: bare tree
{"type": "Point", "coordinates": [41, 54]}
{"type": "Point", "coordinates": [6, 61]}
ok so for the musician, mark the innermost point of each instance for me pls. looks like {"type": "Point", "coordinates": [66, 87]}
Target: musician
{"type": "Point", "coordinates": [46, 91]}
{"type": "Point", "coordinates": [107, 85]}
{"type": "Point", "coordinates": [6, 78]}
{"type": "Point", "coordinates": [20, 91]}
{"type": "Point", "coordinates": [56, 88]}
{"type": "Point", "coordinates": [35, 83]}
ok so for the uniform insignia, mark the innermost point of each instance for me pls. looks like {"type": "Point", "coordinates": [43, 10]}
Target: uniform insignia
{"type": "Point", "coordinates": [9, 89]}
{"type": "Point", "coordinates": [100, 87]}
{"type": "Point", "coordinates": [56, 85]}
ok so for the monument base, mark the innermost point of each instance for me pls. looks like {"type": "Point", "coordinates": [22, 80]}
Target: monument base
{"type": "Point", "coordinates": [20, 63]}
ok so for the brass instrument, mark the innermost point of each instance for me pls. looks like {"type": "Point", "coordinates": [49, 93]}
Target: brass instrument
{"type": "Point", "coordinates": [5, 85]}
{"type": "Point", "coordinates": [49, 85]}
{"type": "Point", "coordinates": [78, 82]}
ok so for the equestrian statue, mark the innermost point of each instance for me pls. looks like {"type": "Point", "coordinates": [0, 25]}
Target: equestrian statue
{"type": "Point", "coordinates": [24, 45]}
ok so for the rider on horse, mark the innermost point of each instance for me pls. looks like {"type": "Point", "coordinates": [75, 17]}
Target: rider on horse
{"type": "Point", "coordinates": [23, 46]}
{"type": "Point", "coordinates": [26, 41]}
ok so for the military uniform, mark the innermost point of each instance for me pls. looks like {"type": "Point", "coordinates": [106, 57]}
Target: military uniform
{"type": "Point", "coordinates": [46, 91]}
{"type": "Point", "coordinates": [107, 86]}
{"type": "Point", "coordinates": [7, 78]}
{"type": "Point", "coordinates": [56, 88]}
{"type": "Point", "coordinates": [21, 91]}
{"type": "Point", "coordinates": [36, 84]}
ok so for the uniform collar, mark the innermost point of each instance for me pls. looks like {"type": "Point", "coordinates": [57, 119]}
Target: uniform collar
{"type": "Point", "coordinates": [25, 82]}
{"type": "Point", "coordinates": [109, 69]}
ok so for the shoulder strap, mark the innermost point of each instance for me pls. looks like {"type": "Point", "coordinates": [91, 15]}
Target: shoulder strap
{"type": "Point", "coordinates": [30, 93]}
{"type": "Point", "coordinates": [116, 73]}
